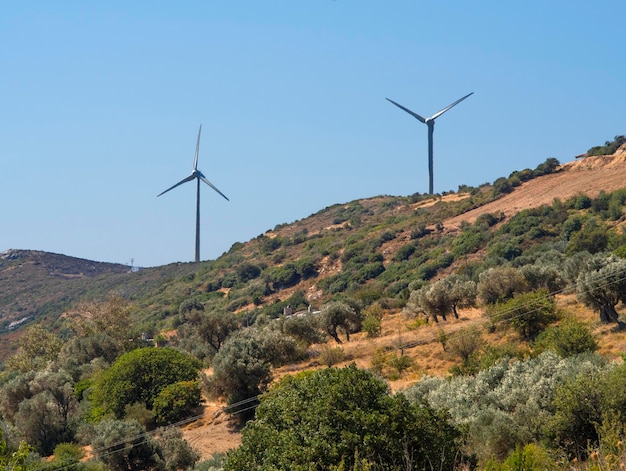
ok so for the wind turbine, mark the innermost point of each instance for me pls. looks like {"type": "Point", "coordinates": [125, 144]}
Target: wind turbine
{"type": "Point", "coordinates": [430, 122]}
{"type": "Point", "coordinates": [197, 175]}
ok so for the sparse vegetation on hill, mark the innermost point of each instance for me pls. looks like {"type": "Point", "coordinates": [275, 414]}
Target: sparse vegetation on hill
{"type": "Point", "coordinates": [608, 148]}
{"type": "Point", "coordinates": [500, 334]}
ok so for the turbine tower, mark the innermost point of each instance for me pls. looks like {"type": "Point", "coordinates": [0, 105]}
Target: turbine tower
{"type": "Point", "coordinates": [198, 176]}
{"type": "Point", "coordinates": [430, 122]}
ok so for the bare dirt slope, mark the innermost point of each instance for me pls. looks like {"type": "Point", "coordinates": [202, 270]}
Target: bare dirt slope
{"type": "Point", "coordinates": [589, 176]}
{"type": "Point", "coordinates": [213, 433]}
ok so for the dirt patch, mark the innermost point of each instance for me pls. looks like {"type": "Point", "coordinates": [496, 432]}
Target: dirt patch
{"type": "Point", "coordinates": [213, 433]}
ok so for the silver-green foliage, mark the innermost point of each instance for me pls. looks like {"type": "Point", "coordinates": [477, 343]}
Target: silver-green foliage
{"type": "Point", "coordinates": [443, 297]}
{"type": "Point", "coordinates": [507, 404]}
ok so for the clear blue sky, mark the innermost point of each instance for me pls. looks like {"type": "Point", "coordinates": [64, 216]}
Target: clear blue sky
{"type": "Point", "coordinates": [100, 104]}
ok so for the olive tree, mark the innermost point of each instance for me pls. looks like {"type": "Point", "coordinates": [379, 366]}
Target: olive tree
{"type": "Point", "coordinates": [498, 284]}
{"type": "Point", "coordinates": [443, 297]}
{"type": "Point", "coordinates": [601, 285]}
{"type": "Point", "coordinates": [240, 371]}
{"type": "Point", "coordinates": [340, 315]}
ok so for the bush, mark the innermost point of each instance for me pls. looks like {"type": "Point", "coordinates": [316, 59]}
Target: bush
{"type": "Point", "coordinates": [176, 401]}
{"type": "Point", "coordinates": [341, 418]}
{"type": "Point", "coordinates": [464, 342]}
{"type": "Point", "coordinates": [372, 322]}
{"type": "Point", "coordinates": [330, 356]}
{"type": "Point", "coordinates": [528, 313]}
{"type": "Point", "coordinates": [502, 186]}
{"type": "Point", "coordinates": [507, 404]}
{"type": "Point", "coordinates": [570, 338]}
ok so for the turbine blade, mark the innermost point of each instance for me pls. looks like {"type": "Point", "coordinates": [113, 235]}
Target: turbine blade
{"type": "Point", "coordinates": [203, 178]}
{"type": "Point", "coordinates": [195, 160]}
{"type": "Point", "coordinates": [415, 115]}
{"type": "Point", "coordinates": [439, 113]}
{"type": "Point", "coordinates": [185, 180]}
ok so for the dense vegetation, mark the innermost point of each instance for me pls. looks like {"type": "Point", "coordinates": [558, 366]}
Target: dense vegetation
{"type": "Point", "coordinates": [119, 374]}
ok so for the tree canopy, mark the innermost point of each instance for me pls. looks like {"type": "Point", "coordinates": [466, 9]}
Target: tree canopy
{"type": "Point", "coordinates": [336, 419]}
{"type": "Point", "coordinates": [140, 375]}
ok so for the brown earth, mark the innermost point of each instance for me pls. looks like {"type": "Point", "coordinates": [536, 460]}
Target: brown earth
{"type": "Point", "coordinates": [214, 433]}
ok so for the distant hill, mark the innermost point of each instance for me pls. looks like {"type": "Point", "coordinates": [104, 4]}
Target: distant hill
{"type": "Point", "coordinates": [37, 286]}
{"type": "Point", "coordinates": [305, 259]}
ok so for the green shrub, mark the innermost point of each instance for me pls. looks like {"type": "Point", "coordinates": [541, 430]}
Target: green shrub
{"type": "Point", "coordinates": [569, 338]}
{"type": "Point", "coordinates": [140, 376]}
{"type": "Point", "coordinates": [531, 457]}
{"type": "Point", "coordinates": [176, 401]}
{"type": "Point", "coordinates": [527, 313]}
{"type": "Point", "coordinates": [335, 418]}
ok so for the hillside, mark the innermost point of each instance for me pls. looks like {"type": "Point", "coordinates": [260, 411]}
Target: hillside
{"type": "Point", "coordinates": [375, 251]}
{"type": "Point", "coordinates": [38, 286]}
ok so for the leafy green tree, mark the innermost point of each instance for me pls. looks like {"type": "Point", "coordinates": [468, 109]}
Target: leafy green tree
{"type": "Point", "coordinates": [38, 423]}
{"type": "Point", "coordinates": [42, 406]}
{"type": "Point", "coordinates": [602, 285]}
{"type": "Point", "coordinates": [215, 326]}
{"type": "Point", "coordinates": [592, 238]}
{"type": "Point", "coordinates": [13, 392]}
{"type": "Point", "coordinates": [248, 271]}
{"type": "Point", "coordinates": [549, 166]}
{"type": "Point", "coordinates": [340, 314]}
{"type": "Point", "coordinates": [190, 305]}
{"type": "Point", "coordinates": [577, 408]}
{"type": "Point", "coordinates": [176, 401]}
{"type": "Point", "coordinates": [527, 313]}
{"type": "Point", "coordinates": [339, 419]}
{"type": "Point", "coordinates": [140, 376]}
{"type": "Point", "coordinates": [303, 328]}
{"type": "Point", "coordinates": [283, 276]}
{"type": "Point", "coordinates": [544, 275]}
{"type": "Point", "coordinates": [20, 460]}
{"type": "Point", "coordinates": [502, 186]}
